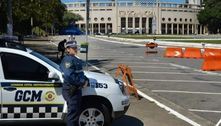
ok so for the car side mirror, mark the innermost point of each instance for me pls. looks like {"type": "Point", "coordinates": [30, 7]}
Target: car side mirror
{"type": "Point", "coordinates": [53, 76]}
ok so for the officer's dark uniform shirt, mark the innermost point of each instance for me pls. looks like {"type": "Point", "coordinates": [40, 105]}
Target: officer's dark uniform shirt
{"type": "Point", "coordinates": [73, 74]}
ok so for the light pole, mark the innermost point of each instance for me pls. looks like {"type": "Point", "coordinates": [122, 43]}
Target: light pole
{"type": "Point", "coordinates": [87, 18]}
{"type": "Point", "coordinates": [31, 22]}
{"type": "Point", "coordinates": [116, 7]}
{"type": "Point", "coordinates": [9, 17]}
{"type": "Point", "coordinates": [87, 27]}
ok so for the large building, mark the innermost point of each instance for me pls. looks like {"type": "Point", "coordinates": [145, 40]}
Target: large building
{"type": "Point", "coordinates": [140, 16]}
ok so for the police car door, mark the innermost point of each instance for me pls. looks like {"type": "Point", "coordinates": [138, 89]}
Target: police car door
{"type": "Point", "coordinates": [1, 78]}
{"type": "Point", "coordinates": [26, 91]}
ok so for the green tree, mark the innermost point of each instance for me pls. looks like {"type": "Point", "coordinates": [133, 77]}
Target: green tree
{"type": "Point", "coordinates": [71, 18]}
{"type": "Point", "coordinates": [210, 16]}
{"type": "Point", "coordinates": [45, 14]}
{"type": "Point", "coordinates": [3, 16]}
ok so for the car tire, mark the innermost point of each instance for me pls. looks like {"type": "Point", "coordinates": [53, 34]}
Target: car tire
{"type": "Point", "coordinates": [94, 114]}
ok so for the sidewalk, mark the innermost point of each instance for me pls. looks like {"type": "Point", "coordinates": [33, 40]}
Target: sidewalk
{"type": "Point", "coordinates": [160, 42]}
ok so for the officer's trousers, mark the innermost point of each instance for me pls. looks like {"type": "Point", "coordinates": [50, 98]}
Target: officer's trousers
{"type": "Point", "coordinates": [73, 103]}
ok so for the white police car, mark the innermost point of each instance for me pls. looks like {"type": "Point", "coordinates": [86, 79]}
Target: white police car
{"type": "Point", "coordinates": [30, 89]}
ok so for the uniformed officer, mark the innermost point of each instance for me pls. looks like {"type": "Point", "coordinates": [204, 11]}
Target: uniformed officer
{"type": "Point", "coordinates": [74, 80]}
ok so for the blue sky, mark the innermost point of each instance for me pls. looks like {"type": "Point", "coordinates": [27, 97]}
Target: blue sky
{"type": "Point", "coordinates": [177, 1]}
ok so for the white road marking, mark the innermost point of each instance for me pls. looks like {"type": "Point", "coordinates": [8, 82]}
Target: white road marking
{"type": "Point", "coordinates": [186, 92]}
{"type": "Point", "coordinates": [179, 66]}
{"type": "Point", "coordinates": [171, 73]}
{"type": "Point", "coordinates": [178, 81]}
{"type": "Point", "coordinates": [180, 116]}
{"type": "Point", "coordinates": [218, 124]}
{"type": "Point", "coordinates": [196, 70]}
{"type": "Point", "coordinates": [204, 111]}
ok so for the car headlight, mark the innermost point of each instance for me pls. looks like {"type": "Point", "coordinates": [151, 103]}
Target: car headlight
{"type": "Point", "coordinates": [121, 86]}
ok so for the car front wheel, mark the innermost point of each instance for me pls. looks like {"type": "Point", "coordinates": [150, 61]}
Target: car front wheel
{"type": "Point", "coordinates": [94, 115]}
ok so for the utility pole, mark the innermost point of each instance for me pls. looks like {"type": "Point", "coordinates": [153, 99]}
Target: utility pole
{"type": "Point", "coordinates": [9, 17]}
{"type": "Point", "coordinates": [32, 22]}
{"type": "Point", "coordinates": [87, 19]}
{"type": "Point", "coordinates": [116, 7]}
{"type": "Point", "coordinates": [87, 27]}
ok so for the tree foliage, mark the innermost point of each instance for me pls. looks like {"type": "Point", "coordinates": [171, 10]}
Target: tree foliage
{"type": "Point", "coordinates": [45, 14]}
{"type": "Point", "coordinates": [71, 18]}
{"type": "Point", "coordinates": [211, 15]}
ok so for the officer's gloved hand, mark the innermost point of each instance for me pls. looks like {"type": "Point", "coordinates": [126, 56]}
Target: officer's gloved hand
{"type": "Point", "coordinates": [86, 82]}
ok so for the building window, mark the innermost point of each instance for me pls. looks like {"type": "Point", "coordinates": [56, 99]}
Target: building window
{"type": "Point", "coordinates": [185, 20]}
{"type": "Point", "coordinates": [102, 28]}
{"type": "Point", "coordinates": [102, 19]}
{"type": "Point", "coordinates": [174, 28]}
{"type": "Point", "coordinates": [82, 5]}
{"type": "Point", "coordinates": [163, 19]}
{"type": "Point", "coordinates": [181, 19]}
{"type": "Point", "coordinates": [70, 5]}
{"type": "Point", "coordinates": [130, 22]}
{"type": "Point", "coordinates": [169, 19]}
{"type": "Point", "coordinates": [109, 28]}
{"type": "Point", "coordinates": [137, 22]}
{"type": "Point", "coordinates": [144, 20]}
{"type": "Point", "coordinates": [109, 19]}
{"type": "Point", "coordinates": [163, 28]}
{"type": "Point", "coordinates": [175, 19]}
{"type": "Point", "coordinates": [95, 19]}
{"type": "Point", "coordinates": [190, 20]}
{"type": "Point", "coordinates": [123, 24]}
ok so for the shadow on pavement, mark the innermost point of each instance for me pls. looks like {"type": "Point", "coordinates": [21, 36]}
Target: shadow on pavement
{"type": "Point", "coordinates": [123, 121]}
{"type": "Point", "coordinates": [127, 121]}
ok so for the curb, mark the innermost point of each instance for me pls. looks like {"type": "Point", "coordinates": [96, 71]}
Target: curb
{"type": "Point", "coordinates": [162, 43]}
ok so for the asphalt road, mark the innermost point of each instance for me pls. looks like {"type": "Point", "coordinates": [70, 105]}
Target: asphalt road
{"type": "Point", "coordinates": [106, 56]}
{"type": "Point", "coordinates": [177, 80]}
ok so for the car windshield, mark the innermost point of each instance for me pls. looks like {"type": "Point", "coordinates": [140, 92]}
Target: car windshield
{"type": "Point", "coordinates": [45, 59]}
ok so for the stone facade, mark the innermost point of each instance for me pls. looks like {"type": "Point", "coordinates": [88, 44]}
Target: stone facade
{"type": "Point", "coordinates": [136, 17]}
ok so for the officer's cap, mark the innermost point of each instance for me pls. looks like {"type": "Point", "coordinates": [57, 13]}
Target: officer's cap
{"type": "Point", "coordinates": [72, 44]}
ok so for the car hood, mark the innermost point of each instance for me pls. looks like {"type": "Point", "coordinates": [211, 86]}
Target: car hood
{"type": "Point", "coordinates": [99, 77]}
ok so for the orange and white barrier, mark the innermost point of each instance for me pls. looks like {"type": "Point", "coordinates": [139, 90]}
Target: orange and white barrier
{"type": "Point", "coordinates": [151, 45]}
{"type": "Point", "coordinates": [173, 52]}
{"type": "Point", "coordinates": [211, 52]}
{"type": "Point", "coordinates": [191, 52]}
{"type": "Point", "coordinates": [212, 63]}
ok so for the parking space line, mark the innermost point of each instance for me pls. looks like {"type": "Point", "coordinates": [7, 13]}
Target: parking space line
{"type": "Point", "coordinates": [186, 92]}
{"type": "Point", "coordinates": [218, 124]}
{"type": "Point", "coordinates": [204, 111]}
{"type": "Point", "coordinates": [196, 70]}
{"type": "Point", "coordinates": [171, 73]}
{"type": "Point", "coordinates": [178, 81]}
{"type": "Point", "coordinates": [180, 116]}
